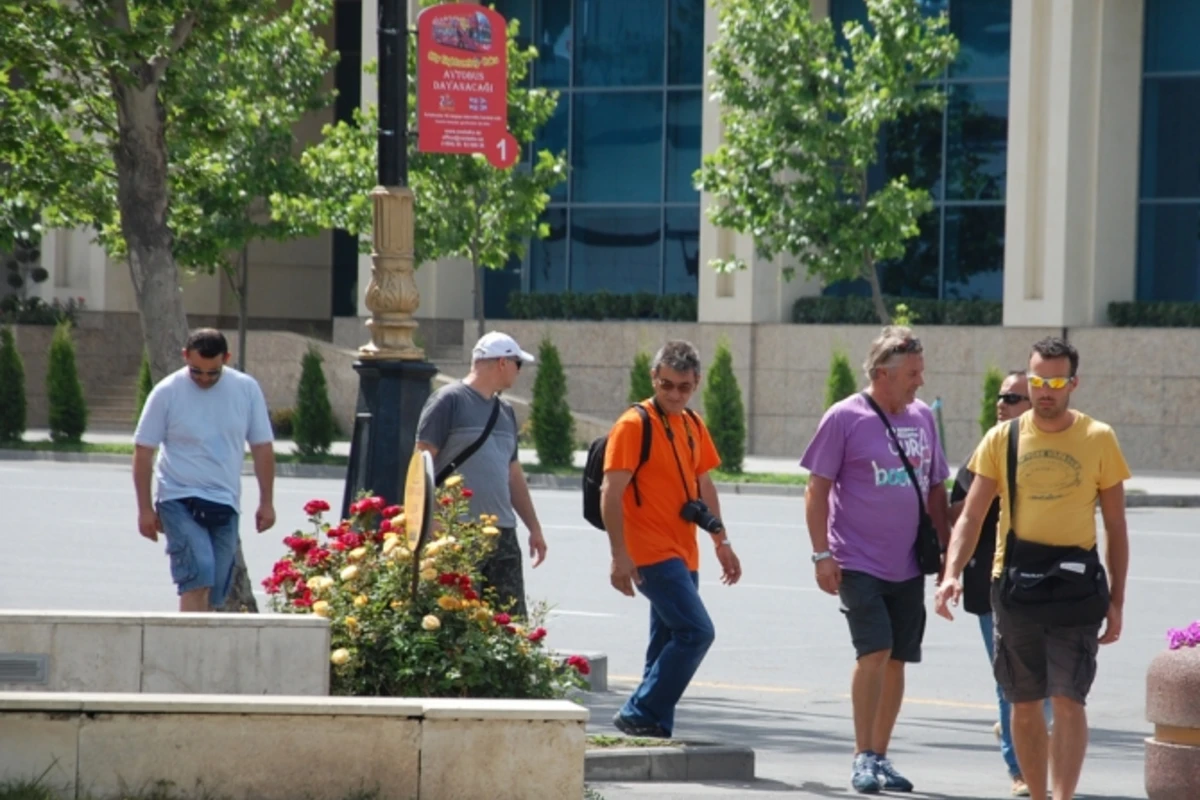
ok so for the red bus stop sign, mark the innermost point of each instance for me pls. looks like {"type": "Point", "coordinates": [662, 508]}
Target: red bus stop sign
{"type": "Point", "coordinates": [462, 83]}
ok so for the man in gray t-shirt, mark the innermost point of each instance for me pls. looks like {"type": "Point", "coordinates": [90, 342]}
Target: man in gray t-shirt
{"type": "Point", "coordinates": [454, 418]}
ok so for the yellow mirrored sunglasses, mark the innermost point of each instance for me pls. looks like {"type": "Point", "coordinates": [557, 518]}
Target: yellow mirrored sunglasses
{"type": "Point", "coordinates": [1037, 382]}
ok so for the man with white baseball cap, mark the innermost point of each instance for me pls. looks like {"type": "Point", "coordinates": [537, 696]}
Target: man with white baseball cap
{"type": "Point", "coordinates": [470, 430]}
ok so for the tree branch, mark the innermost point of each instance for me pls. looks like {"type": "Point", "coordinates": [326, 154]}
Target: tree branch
{"type": "Point", "coordinates": [179, 36]}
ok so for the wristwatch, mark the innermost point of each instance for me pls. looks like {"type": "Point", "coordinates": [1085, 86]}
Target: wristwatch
{"type": "Point", "coordinates": [821, 556]}
{"type": "Point", "coordinates": [722, 542]}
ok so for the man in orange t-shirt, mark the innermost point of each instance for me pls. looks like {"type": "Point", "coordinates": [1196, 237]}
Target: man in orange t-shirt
{"type": "Point", "coordinates": [651, 512]}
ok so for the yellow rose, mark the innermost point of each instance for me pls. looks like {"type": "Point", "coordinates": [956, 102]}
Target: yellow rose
{"type": "Point", "coordinates": [361, 601]}
{"type": "Point", "coordinates": [452, 481]}
{"type": "Point", "coordinates": [448, 603]}
{"type": "Point", "coordinates": [396, 605]}
{"type": "Point", "coordinates": [352, 623]}
{"type": "Point", "coordinates": [429, 574]}
{"type": "Point", "coordinates": [340, 656]}
{"type": "Point", "coordinates": [357, 554]}
{"type": "Point", "coordinates": [350, 573]}
{"type": "Point", "coordinates": [401, 554]}
{"type": "Point", "coordinates": [482, 615]}
{"type": "Point", "coordinates": [390, 535]}
{"type": "Point", "coordinates": [321, 608]}
{"type": "Point", "coordinates": [432, 549]}
{"type": "Point", "coordinates": [431, 622]}
{"type": "Point", "coordinates": [398, 520]}
{"type": "Point", "coordinates": [427, 563]}
{"type": "Point", "coordinates": [490, 530]}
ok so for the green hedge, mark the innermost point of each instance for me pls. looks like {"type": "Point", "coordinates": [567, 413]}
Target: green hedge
{"type": "Point", "coordinates": [861, 311]}
{"type": "Point", "coordinates": [602, 305]}
{"type": "Point", "coordinates": [1154, 315]}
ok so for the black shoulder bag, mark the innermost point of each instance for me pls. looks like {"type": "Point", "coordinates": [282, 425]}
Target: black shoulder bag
{"type": "Point", "coordinates": [1046, 584]}
{"type": "Point", "coordinates": [929, 549]}
{"type": "Point", "coordinates": [470, 449]}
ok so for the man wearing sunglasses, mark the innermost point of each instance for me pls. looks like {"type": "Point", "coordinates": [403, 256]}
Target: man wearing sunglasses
{"type": "Point", "coordinates": [200, 418]}
{"type": "Point", "coordinates": [455, 419]}
{"type": "Point", "coordinates": [864, 518]}
{"type": "Point", "coordinates": [1066, 462]}
{"type": "Point", "coordinates": [1011, 402]}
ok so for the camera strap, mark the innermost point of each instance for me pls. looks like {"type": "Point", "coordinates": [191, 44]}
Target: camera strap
{"type": "Point", "coordinates": [691, 446]}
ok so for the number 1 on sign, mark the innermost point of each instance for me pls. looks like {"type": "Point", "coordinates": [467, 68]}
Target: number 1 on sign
{"type": "Point", "coordinates": [502, 145]}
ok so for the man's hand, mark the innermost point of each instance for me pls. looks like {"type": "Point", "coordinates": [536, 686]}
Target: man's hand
{"type": "Point", "coordinates": [149, 524]}
{"type": "Point", "coordinates": [1112, 624]}
{"type": "Point", "coordinates": [829, 575]}
{"type": "Point", "coordinates": [537, 547]}
{"type": "Point", "coordinates": [264, 518]}
{"type": "Point", "coordinates": [731, 568]}
{"type": "Point", "coordinates": [624, 574]}
{"type": "Point", "coordinates": [948, 591]}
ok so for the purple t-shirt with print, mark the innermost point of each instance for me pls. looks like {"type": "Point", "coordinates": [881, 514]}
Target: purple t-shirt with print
{"type": "Point", "coordinates": [873, 512]}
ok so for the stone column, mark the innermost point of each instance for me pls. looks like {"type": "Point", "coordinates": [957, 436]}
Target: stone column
{"type": "Point", "coordinates": [392, 294]}
{"type": "Point", "coordinates": [1074, 123]}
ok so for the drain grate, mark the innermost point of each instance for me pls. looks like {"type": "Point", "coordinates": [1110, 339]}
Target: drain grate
{"type": "Point", "coordinates": [24, 668]}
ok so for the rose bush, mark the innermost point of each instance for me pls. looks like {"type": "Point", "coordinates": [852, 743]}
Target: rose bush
{"type": "Point", "coordinates": [449, 640]}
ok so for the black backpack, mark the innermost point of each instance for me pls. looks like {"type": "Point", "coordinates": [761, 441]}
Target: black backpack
{"type": "Point", "coordinates": [593, 470]}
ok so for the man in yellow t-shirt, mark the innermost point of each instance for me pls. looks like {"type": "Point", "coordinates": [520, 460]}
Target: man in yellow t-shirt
{"type": "Point", "coordinates": [1066, 462]}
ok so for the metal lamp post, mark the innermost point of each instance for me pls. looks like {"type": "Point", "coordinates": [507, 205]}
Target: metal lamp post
{"type": "Point", "coordinates": [394, 377]}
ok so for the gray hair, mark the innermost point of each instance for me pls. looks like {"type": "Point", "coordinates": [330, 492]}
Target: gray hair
{"type": "Point", "coordinates": [894, 341]}
{"type": "Point", "coordinates": [678, 355]}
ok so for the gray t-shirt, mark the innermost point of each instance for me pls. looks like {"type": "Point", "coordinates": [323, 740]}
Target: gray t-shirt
{"type": "Point", "coordinates": [452, 419]}
{"type": "Point", "coordinates": [203, 434]}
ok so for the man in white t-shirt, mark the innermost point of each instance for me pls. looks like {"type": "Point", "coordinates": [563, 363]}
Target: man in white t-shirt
{"type": "Point", "coordinates": [202, 416]}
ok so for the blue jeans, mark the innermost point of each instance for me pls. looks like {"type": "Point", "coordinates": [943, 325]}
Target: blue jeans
{"type": "Point", "coordinates": [680, 635]}
{"type": "Point", "coordinates": [986, 627]}
{"type": "Point", "coordinates": [201, 557]}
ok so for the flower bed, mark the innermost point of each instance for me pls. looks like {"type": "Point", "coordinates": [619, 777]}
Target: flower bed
{"type": "Point", "coordinates": [409, 621]}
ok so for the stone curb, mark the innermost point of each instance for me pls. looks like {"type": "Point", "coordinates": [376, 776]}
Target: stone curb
{"type": "Point", "coordinates": [687, 762]}
{"type": "Point", "coordinates": [537, 480]}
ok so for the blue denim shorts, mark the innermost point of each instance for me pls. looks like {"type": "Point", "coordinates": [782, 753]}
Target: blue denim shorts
{"type": "Point", "coordinates": [202, 556]}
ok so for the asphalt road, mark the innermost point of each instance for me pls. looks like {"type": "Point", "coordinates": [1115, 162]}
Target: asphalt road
{"type": "Point", "coordinates": [777, 678]}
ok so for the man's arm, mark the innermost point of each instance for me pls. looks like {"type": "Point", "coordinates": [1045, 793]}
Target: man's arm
{"type": "Point", "coordinates": [1116, 535]}
{"type": "Point", "coordinates": [612, 494]}
{"type": "Point", "coordinates": [965, 535]}
{"type": "Point", "coordinates": [731, 566]}
{"type": "Point", "coordinates": [143, 472]}
{"type": "Point", "coordinates": [522, 503]}
{"type": "Point", "coordinates": [708, 493]}
{"type": "Point", "coordinates": [428, 448]}
{"type": "Point", "coordinates": [816, 511]}
{"type": "Point", "coordinates": [263, 456]}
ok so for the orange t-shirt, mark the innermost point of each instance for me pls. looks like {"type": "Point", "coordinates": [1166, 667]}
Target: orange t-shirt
{"type": "Point", "coordinates": [654, 531]}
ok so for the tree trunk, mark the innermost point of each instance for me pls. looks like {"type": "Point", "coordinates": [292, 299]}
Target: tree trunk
{"type": "Point", "coordinates": [872, 276]}
{"type": "Point", "coordinates": [479, 318]}
{"type": "Point", "coordinates": [140, 156]}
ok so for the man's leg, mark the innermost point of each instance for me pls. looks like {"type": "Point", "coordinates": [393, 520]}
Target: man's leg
{"type": "Point", "coordinates": [224, 545]}
{"type": "Point", "coordinates": [1020, 666]}
{"type": "Point", "coordinates": [905, 604]}
{"type": "Point", "coordinates": [1071, 659]}
{"type": "Point", "coordinates": [189, 547]}
{"type": "Point", "coordinates": [891, 697]}
{"type": "Point", "coordinates": [660, 634]}
{"type": "Point", "coordinates": [502, 572]}
{"type": "Point", "coordinates": [1068, 745]}
{"type": "Point", "coordinates": [871, 633]}
{"type": "Point", "coordinates": [674, 593]}
{"type": "Point", "coordinates": [1032, 745]}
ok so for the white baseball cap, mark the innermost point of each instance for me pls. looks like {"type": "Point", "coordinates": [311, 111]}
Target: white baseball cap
{"type": "Point", "coordinates": [499, 345]}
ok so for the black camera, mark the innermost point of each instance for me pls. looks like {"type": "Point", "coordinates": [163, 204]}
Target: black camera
{"type": "Point", "coordinates": [697, 511]}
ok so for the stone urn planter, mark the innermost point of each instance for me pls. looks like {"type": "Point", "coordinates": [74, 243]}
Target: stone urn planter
{"type": "Point", "coordinates": [1173, 706]}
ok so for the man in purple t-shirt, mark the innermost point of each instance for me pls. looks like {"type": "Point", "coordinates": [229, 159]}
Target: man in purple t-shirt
{"type": "Point", "coordinates": [862, 514]}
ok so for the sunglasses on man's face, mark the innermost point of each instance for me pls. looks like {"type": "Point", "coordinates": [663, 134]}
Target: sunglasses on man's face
{"type": "Point", "coordinates": [1011, 398]}
{"type": "Point", "coordinates": [671, 386]}
{"type": "Point", "coordinates": [1037, 382]}
{"type": "Point", "coordinates": [206, 373]}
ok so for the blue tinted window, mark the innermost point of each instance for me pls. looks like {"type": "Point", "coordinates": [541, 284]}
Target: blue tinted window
{"type": "Point", "coordinates": [1169, 253]}
{"type": "Point", "coordinates": [681, 251]}
{"type": "Point", "coordinates": [683, 145]}
{"type": "Point", "coordinates": [522, 11]}
{"type": "Point", "coordinates": [554, 44]}
{"type": "Point", "coordinates": [976, 141]}
{"type": "Point", "coordinates": [498, 285]}
{"type": "Point", "coordinates": [983, 29]}
{"type": "Point", "coordinates": [685, 42]}
{"type": "Point", "coordinates": [618, 140]}
{"type": "Point", "coordinates": [618, 249]}
{"type": "Point", "coordinates": [974, 253]}
{"type": "Point", "coordinates": [912, 147]}
{"type": "Point", "coordinates": [1171, 29]}
{"type": "Point", "coordinates": [916, 274]}
{"type": "Point", "coordinates": [1171, 137]}
{"type": "Point", "coordinates": [619, 42]}
{"type": "Point", "coordinates": [548, 257]}
{"type": "Point", "coordinates": [553, 137]}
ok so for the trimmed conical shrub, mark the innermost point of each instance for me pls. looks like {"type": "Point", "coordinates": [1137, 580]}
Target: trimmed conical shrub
{"type": "Point", "coordinates": [12, 389]}
{"type": "Point", "coordinates": [724, 412]}
{"type": "Point", "coordinates": [144, 384]}
{"type": "Point", "coordinates": [549, 415]}
{"type": "Point", "coordinates": [64, 394]}
{"type": "Point", "coordinates": [640, 385]}
{"type": "Point", "coordinates": [992, 381]}
{"type": "Point", "coordinates": [840, 383]}
{"type": "Point", "coordinates": [313, 427]}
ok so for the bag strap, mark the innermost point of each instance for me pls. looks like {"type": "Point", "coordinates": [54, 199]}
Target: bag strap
{"type": "Point", "coordinates": [1010, 466]}
{"type": "Point", "coordinates": [912, 474]}
{"type": "Point", "coordinates": [469, 451]}
{"type": "Point", "coordinates": [647, 436]}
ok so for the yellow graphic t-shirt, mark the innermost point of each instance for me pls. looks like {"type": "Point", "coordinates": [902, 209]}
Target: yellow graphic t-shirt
{"type": "Point", "coordinates": [1059, 477]}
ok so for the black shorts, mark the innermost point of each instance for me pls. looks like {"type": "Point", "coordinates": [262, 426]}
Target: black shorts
{"type": "Point", "coordinates": [1033, 661]}
{"type": "Point", "coordinates": [884, 615]}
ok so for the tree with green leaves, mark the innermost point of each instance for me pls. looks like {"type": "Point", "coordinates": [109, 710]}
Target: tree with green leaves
{"type": "Point", "coordinates": [64, 393]}
{"type": "Point", "coordinates": [313, 427]}
{"type": "Point", "coordinates": [992, 380]}
{"type": "Point", "coordinates": [840, 384]}
{"type": "Point", "coordinates": [802, 113]}
{"type": "Point", "coordinates": [724, 411]}
{"type": "Point", "coordinates": [145, 384]}
{"type": "Point", "coordinates": [549, 415]}
{"type": "Point", "coordinates": [640, 385]}
{"type": "Point", "coordinates": [463, 206]}
{"type": "Point", "coordinates": [12, 389]}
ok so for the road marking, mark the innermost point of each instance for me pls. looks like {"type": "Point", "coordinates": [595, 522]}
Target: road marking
{"type": "Point", "coordinates": [768, 587]}
{"type": "Point", "coordinates": [743, 687]}
{"type": "Point", "coordinates": [557, 612]}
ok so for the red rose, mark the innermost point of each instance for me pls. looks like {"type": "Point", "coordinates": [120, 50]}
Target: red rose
{"type": "Point", "coordinates": [470, 594]}
{"type": "Point", "coordinates": [448, 579]}
{"type": "Point", "coordinates": [352, 540]}
{"type": "Point", "coordinates": [502, 619]}
{"type": "Point", "coordinates": [391, 511]}
{"type": "Point", "coordinates": [446, 501]}
{"type": "Point", "coordinates": [580, 664]}
{"type": "Point", "coordinates": [314, 507]}
{"type": "Point", "coordinates": [339, 545]}
{"type": "Point", "coordinates": [510, 629]}
{"type": "Point", "coordinates": [385, 526]}
{"type": "Point", "coordinates": [304, 601]}
{"type": "Point", "coordinates": [300, 544]}
{"type": "Point", "coordinates": [356, 508]}
{"type": "Point", "coordinates": [464, 581]}
{"type": "Point", "coordinates": [374, 504]}
{"type": "Point", "coordinates": [537, 635]}
{"type": "Point", "coordinates": [317, 556]}
{"type": "Point", "coordinates": [467, 493]}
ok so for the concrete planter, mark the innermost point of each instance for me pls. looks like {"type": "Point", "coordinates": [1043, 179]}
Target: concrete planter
{"type": "Point", "coordinates": [1173, 706]}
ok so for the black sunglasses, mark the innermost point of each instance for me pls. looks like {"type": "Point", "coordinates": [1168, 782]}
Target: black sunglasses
{"type": "Point", "coordinates": [912, 345]}
{"type": "Point", "coordinates": [1011, 398]}
{"type": "Point", "coordinates": [208, 373]}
